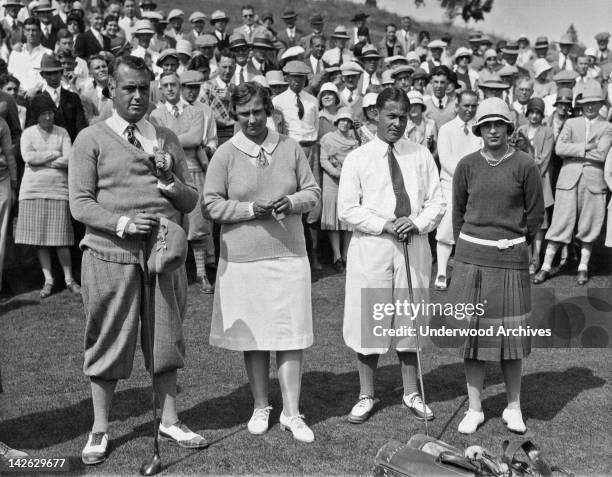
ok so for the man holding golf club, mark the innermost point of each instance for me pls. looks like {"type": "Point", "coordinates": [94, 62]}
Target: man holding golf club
{"type": "Point", "coordinates": [124, 175]}
{"type": "Point", "coordinates": [390, 194]}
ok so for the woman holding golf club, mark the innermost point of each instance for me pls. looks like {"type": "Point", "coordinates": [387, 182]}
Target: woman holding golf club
{"type": "Point", "coordinates": [258, 186]}
{"type": "Point", "coordinates": [498, 207]}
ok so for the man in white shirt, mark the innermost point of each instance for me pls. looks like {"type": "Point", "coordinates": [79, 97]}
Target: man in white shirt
{"type": "Point", "coordinates": [565, 61]}
{"type": "Point", "coordinates": [370, 58]}
{"type": "Point", "coordinates": [65, 44]}
{"type": "Point", "coordinates": [406, 38]}
{"type": "Point", "coordinates": [455, 141]}
{"type": "Point", "coordinates": [389, 193]}
{"type": "Point", "coordinates": [128, 20]}
{"type": "Point", "coordinates": [94, 93]}
{"type": "Point", "coordinates": [143, 32]}
{"type": "Point", "coordinates": [523, 92]}
{"type": "Point", "coordinates": [241, 49]}
{"type": "Point", "coordinates": [24, 64]}
{"type": "Point", "coordinates": [350, 94]}
{"type": "Point", "coordinates": [439, 108]}
{"type": "Point", "coordinates": [301, 115]}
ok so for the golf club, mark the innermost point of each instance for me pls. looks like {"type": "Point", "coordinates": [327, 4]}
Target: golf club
{"type": "Point", "coordinates": [154, 465]}
{"type": "Point", "coordinates": [416, 322]}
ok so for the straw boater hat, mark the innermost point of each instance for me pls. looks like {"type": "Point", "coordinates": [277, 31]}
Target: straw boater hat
{"type": "Point", "coordinates": [341, 32]}
{"type": "Point", "coordinates": [143, 27]}
{"type": "Point", "coordinates": [217, 16]}
{"type": "Point", "coordinates": [276, 78]}
{"type": "Point", "coordinates": [541, 42]}
{"type": "Point", "coordinates": [49, 64]}
{"type": "Point", "coordinates": [511, 48]}
{"type": "Point", "coordinates": [592, 93]}
{"type": "Point", "coordinates": [492, 109]}
{"type": "Point", "coordinates": [344, 113]}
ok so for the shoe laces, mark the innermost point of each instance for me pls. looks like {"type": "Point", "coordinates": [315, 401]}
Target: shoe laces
{"type": "Point", "coordinates": [298, 421]}
{"type": "Point", "coordinates": [262, 413]}
{"type": "Point", "coordinates": [97, 438]}
{"type": "Point", "coordinates": [417, 401]}
{"type": "Point", "coordinates": [364, 402]}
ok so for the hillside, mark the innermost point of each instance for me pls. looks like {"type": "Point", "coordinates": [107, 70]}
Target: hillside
{"type": "Point", "coordinates": [335, 12]}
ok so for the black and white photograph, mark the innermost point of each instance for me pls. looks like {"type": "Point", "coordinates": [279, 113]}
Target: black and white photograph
{"type": "Point", "coordinates": [315, 237]}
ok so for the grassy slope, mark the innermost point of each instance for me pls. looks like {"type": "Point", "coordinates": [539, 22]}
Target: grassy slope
{"type": "Point", "coordinates": [335, 12]}
{"type": "Point", "coordinates": [46, 408]}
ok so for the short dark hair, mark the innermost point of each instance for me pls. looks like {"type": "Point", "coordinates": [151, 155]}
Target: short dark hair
{"type": "Point", "coordinates": [8, 78]}
{"type": "Point", "coordinates": [390, 25]}
{"type": "Point", "coordinates": [247, 7]}
{"type": "Point", "coordinates": [109, 18]}
{"type": "Point", "coordinates": [66, 55]}
{"type": "Point", "coordinates": [63, 33]}
{"type": "Point", "coordinates": [132, 62]}
{"type": "Point", "coordinates": [466, 92]}
{"type": "Point", "coordinates": [424, 34]}
{"type": "Point", "coordinates": [31, 21]}
{"type": "Point", "coordinates": [441, 70]}
{"type": "Point", "coordinates": [197, 62]}
{"type": "Point", "coordinates": [243, 93]}
{"type": "Point", "coordinates": [391, 94]}
{"type": "Point", "coordinates": [317, 37]}
{"type": "Point", "coordinates": [95, 57]}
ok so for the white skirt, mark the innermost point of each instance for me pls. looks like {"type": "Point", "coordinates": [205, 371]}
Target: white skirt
{"type": "Point", "coordinates": [376, 274]}
{"type": "Point", "coordinates": [263, 305]}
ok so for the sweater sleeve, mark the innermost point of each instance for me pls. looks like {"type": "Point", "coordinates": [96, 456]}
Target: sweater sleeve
{"type": "Point", "coordinates": [183, 196]}
{"type": "Point", "coordinates": [216, 203]}
{"type": "Point", "coordinates": [66, 147]}
{"type": "Point", "coordinates": [460, 197]}
{"type": "Point", "coordinates": [83, 185]}
{"type": "Point", "coordinates": [308, 192]}
{"type": "Point", "coordinates": [533, 199]}
{"type": "Point", "coordinates": [8, 151]}
{"type": "Point", "coordinates": [31, 151]}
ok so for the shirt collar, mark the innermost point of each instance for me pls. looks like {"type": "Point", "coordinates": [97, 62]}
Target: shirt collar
{"type": "Point", "coordinates": [119, 125]}
{"type": "Point", "coordinates": [244, 144]}
{"type": "Point", "coordinates": [221, 83]}
{"type": "Point", "coordinates": [181, 105]}
{"type": "Point", "coordinates": [51, 90]}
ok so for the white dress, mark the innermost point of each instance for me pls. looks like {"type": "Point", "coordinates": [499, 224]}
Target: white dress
{"type": "Point", "coordinates": [376, 270]}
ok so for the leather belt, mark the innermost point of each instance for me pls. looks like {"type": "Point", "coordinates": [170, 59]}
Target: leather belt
{"type": "Point", "coordinates": [307, 143]}
{"type": "Point", "coordinates": [500, 244]}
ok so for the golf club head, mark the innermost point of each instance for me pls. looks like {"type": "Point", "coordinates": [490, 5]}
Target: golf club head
{"type": "Point", "coordinates": [151, 467]}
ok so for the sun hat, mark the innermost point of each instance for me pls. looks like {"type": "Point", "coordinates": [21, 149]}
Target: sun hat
{"type": "Point", "coordinates": [536, 104]}
{"type": "Point", "coordinates": [415, 97]}
{"type": "Point", "coordinates": [462, 51]}
{"type": "Point", "coordinates": [344, 113]}
{"type": "Point", "coordinates": [540, 66]}
{"type": "Point", "coordinates": [369, 100]}
{"type": "Point", "coordinates": [276, 78]}
{"type": "Point", "coordinates": [490, 53]}
{"type": "Point", "coordinates": [329, 88]}
{"type": "Point", "coordinates": [592, 93]}
{"type": "Point", "coordinates": [492, 109]}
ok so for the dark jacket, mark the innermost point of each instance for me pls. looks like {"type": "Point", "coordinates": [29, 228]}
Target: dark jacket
{"type": "Point", "coordinates": [87, 45]}
{"type": "Point", "coordinates": [69, 115]}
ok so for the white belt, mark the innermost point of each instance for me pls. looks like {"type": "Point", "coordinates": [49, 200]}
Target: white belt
{"type": "Point", "coordinates": [500, 244]}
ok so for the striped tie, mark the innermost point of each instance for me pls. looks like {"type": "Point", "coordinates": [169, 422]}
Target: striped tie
{"type": "Point", "coordinates": [131, 138]}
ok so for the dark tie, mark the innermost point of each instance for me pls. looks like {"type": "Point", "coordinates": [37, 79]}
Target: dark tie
{"type": "Point", "coordinates": [175, 111]}
{"type": "Point", "coordinates": [466, 131]}
{"type": "Point", "coordinates": [350, 97]}
{"type": "Point", "coordinates": [242, 75]}
{"type": "Point", "coordinates": [340, 60]}
{"type": "Point", "coordinates": [318, 70]}
{"type": "Point", "coordinates": [131, 138]}
{"type": "Point", "coordinates": [564, 62]}
{"type": "Point", "coordinates": [402, 201]}
{"type": "Point", "coordinates": [440, 105]}
{"type": "Point", "coordinates": [300, 106]}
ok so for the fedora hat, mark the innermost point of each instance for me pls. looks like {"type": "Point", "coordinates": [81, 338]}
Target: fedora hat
{"type": "Point", "coordinates": [541, 42]}
{"type": "Point", "coordinates": [276, 78]}
{"type": "Point", "coordinates": [288, 14]}
{"type": "Point", "coordinates": [142, 27]}
{"type": "Point", "coordinates": [167, 246]}
{"type": "Point", "coordinates": [564, 95]}
{"type": "Point", "coordinates": [49, 64]}
{"type": "Point", "coordinates": [262, 42]}
{"type": "Point", "coordinates": [13, 3]}
{"type": "Point", "coordinates": [218, 15]}
{"type": "Point", "coordinates": [492, 109]}
{"type": "Point", "coordinates": [540, 66]}
{"type": "Point", "coordinates": [592, 93]}
{"type": "Point", "coordinates": [370, 51]}
{"type": "Point", "coordinates": [566, 40]}
{"type": "Point", "coordinates": [511, 48]}
{"type": "Point", "coordinates": [316, 19]}
{"type": "Point", "coordinates": [237, 41]}
{"type": "Point", "coordinates": [341, 32]}
{"type": "Point", "coordinates": [43, 6]}
{"type": "Point", "coordinates": [197, 16]}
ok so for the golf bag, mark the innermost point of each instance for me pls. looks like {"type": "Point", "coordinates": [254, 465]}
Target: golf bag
{"type": "Point", "coordinates": [425, 456]}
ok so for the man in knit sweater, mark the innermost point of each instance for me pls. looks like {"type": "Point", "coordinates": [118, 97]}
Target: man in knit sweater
{"type": "Point", "coordinates": [188, 123]}
{"type": "Point", "coordinates": [118, 192]}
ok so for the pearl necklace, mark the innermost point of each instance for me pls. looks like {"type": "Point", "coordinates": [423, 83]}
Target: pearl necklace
{"type": "Point", "coordinates": [496, 162]}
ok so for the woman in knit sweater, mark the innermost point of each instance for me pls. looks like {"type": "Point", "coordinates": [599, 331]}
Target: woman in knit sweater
{"type": "Point", "coordinates": [44, 215]}
{"type": "Point", "coordinates": [335, 146]}
{"type": "Point", "coordinates": [497, 208]}
{"type": "Point", "coordinates": [258, 185]}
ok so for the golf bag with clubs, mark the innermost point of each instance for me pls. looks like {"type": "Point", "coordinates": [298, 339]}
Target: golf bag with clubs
{"type": "Point", "coordinates": [425, 456]}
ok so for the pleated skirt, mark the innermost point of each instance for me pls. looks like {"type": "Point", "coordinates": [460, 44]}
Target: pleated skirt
{"type": "Point", "coordinates": [329, 212]}
{"type": "Point", "coordinates": [44, 223]}
{"type": "Point", "coordinates": [505, 297]}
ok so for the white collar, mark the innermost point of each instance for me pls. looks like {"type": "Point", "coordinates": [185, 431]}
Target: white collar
{"type": "Point", "coordinates": [119, 125]}
{"type": "Point", "coordinates": [180, 105]}
{"type": "Point", "coordinates": [436, 101]}
{"type": "Point", "coordinates": [51, 90]}
{"type": "Point", "coordinates": [244, 144]}
{"type": "Point", "coordinates": [221, 83]}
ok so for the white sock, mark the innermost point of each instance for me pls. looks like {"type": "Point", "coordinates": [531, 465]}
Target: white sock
{"type": "Point", "coordinates": [585, 256]}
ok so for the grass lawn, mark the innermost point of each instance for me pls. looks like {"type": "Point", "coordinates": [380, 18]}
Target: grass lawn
{"type": "Point", "coordinates": [46, 407]}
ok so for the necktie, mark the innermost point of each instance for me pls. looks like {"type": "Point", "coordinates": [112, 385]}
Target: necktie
{"type": "Point", "coordinates": [300, 106]}
{"type": "Point", "coordinates": [564, 62]}
{"type": "Point", "coordinates": [262, 160]}
{"type": "Point", "coordinates": [524, 109]}
{"type": "Point", "coordinates": [131, 138]}
{"type": "Point", "coordinates": [55, 98]}
{"type": "Point", "coordinates": [242, 75]}
{"type": "Point", "coordinates": [350, 97]}
{"type": "Point", "coordinates": [175, 111]}
{"type": "Point", "coordinates": [466, 131]}
{"type": "Point", "coordinates": [402, 201]}
{"type": "Point", "coordinates": [440, 105]}
{"type": "Point", "coordinates": [318, 69]}
{"type": "Point", "coordinates": [340, 59]}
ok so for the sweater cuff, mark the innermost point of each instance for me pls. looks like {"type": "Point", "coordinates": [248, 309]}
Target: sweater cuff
{"type": "Point", "coordinates": [121, 225]}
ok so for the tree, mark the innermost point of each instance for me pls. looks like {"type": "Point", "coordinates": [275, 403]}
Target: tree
{"type": "Point", "coordinates": [468, 9]}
